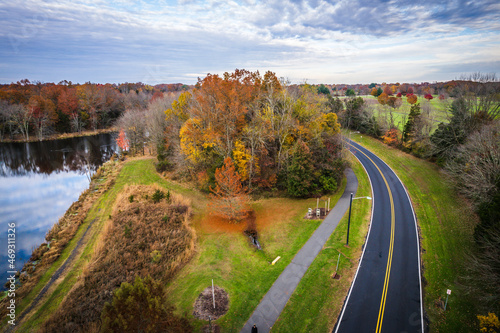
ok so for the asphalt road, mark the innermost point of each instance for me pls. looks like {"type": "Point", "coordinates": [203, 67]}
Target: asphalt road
{"type": "Point", "coordinates": [386, 294]}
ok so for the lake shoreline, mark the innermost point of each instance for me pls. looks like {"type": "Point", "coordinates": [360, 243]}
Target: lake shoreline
{"type": "Point", "coordinates": [64, 135]}
{"type": "Point", "coordinates": [61, 238]}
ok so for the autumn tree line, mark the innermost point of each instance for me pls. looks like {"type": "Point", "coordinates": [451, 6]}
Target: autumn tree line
{"type": "Point", "coordinates": [35, 110]}
{"type": "Point", "coordinates": [278, 139]}
{"type": "Point", "coordinates": [446, 89]}
{"type": "Point", "coordinates": [467, 147]}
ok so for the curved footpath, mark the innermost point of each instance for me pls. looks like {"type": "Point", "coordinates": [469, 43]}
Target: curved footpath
{"type": "Point", "coordinates": [271, 305]}
{"type": "Point", "coordinates": [386, 293]}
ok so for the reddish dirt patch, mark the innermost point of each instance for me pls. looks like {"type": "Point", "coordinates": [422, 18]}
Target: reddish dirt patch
{"type": "Point", "coordinates": [216, 224]}
{"type": "Point", "coordinates": [275, 212]}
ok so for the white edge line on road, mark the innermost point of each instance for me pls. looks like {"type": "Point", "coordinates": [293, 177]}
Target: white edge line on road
{"type": "Point", "coordinates": [418, 240]}
{"type": "Point", "coordinates": [418, 252]}
{"type": "Point", "coordinates": [364, 247]}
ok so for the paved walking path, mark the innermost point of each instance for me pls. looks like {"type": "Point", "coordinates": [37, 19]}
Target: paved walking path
{"type": "Point", "coordinates": [270, 307]}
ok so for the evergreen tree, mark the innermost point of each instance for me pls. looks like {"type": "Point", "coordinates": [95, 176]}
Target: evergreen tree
{"type": "Point", "coordinates": [322, 89]}
{"type": "Point", "coordinates": [448, 137]}
{"type": "Point", "coordinates": [408, 131]}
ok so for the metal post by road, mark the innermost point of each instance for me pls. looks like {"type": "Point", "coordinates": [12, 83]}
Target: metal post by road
{"type": "Point", "coordinates": [349, 221]}
{"type": "Point", "coordinates": [448, 293]}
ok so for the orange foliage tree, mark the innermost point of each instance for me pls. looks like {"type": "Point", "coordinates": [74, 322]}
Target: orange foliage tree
{"type": "Point", "coordinates": [411, 98]}
{"type": "Point", "coordinates": [392, 137]}
{"type": "Point", "coordinates": [229, 198]}
{"type": "Point", "coordinates": [122, 141]}
{"type": "Point", "coordinates": [383, 98]}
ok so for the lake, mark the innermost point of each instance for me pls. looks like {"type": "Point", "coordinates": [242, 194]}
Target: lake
{"type": "Point", "coordinates": [38, 182]}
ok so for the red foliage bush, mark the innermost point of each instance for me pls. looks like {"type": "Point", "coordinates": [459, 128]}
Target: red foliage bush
{"type": "Point", "coordinates": [392, 137]}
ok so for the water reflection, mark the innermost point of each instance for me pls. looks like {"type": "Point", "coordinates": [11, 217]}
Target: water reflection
{"type": "Point", "coordinates": [38, 183]}
{"type": "Point", "coordinates": [76, 154]}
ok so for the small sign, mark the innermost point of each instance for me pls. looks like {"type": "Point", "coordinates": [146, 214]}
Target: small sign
{"type": "Point", "coordinates": [448, 291]}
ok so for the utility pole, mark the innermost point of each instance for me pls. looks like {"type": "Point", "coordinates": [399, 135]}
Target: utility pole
{"type": "Point", "coordinates": [349, 221]}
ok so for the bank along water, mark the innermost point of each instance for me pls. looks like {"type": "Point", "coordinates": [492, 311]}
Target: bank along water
{"type": "Point", "coordinates": [38, 182]}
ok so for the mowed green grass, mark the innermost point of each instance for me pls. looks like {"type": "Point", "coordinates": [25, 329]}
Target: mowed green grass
{"type": "Point", "coordinates": [316, 303]}
{"type": "Point", "coordinates": [244, 272]}
{"type": "Point", "coordinates": [446, 225]}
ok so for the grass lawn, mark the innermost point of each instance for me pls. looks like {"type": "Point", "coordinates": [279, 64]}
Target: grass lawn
{"type": "Point", "coordinates": [223, 251]}
{"type": "Point", "coordinates": [245, 273]}
{"type": "Point", "coordinates": [316, 303]}
{"type": "Point", "coordinates": [446, 225]}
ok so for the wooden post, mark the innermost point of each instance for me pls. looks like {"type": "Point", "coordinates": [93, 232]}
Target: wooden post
{"type": "Point", "coordinates": [213, 293]}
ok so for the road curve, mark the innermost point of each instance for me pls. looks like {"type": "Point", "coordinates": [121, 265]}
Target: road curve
{"type": "Point", "coordinates": [386, 293]}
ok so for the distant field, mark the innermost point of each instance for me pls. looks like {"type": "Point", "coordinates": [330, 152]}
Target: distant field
{"type": "Point", "coordinates": [435, 110]}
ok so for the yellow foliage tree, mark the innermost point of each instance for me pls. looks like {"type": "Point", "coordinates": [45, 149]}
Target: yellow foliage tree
{"type": "Point", "coordinates": [330, 123]}
{"type": "Point", "coordinates": [180, 107]}
{"type": "Point", "coordinates": [191, 135]}
{"type": "Point", "coordinates": [242, 159]}
{"type": "Point", "coordinates": [489, 323]}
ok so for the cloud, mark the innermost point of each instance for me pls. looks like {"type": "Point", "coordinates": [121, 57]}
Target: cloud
{"type": "Point", "coordinates": [162, 41]}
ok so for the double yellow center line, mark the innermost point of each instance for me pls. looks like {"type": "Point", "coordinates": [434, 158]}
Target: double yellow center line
{"type": "Point", "coordinates": [391, 249]}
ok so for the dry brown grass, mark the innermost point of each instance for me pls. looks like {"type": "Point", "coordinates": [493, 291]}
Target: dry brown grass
{"type": "Point", "coordinates": [143, 238]}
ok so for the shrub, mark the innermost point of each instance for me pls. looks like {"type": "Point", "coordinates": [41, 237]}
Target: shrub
{"type": "Point", "coordinates": [156, 256]}
{"type": "Point", "coordinates": [163, 166]}
{"type": "Point", "coordinates": [489, 323]}
{"type": "Point", "coordinates": [141, 307]}
{"type": "Point", "coordinates": [329, 184]}
{"type": "Point", "coordinates": [157, 196]}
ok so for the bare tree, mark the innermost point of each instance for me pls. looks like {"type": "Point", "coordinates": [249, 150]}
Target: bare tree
{"type": "Point", "coordinates": [482, 276]}
{"type": "Point", "coordinates": [476, 166]}
{"type": "Point", "coordinates": [155, 120]}
{"type": "Point", "coordinates": [136, 100]}
{"type": "Point", "coordinates": [480, 91]}
{"type": "Point", "coordinates": [133, 122]}
{"type": "Point", "coordinates": [20, 117]}
{"type": "Point", "coordinates": [278, 111]}
{"type": "Point", "coordinates": [255, 134]}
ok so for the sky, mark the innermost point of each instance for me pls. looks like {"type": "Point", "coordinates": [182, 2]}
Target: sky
{"type": "Point", "coordinates": [317, 41]}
